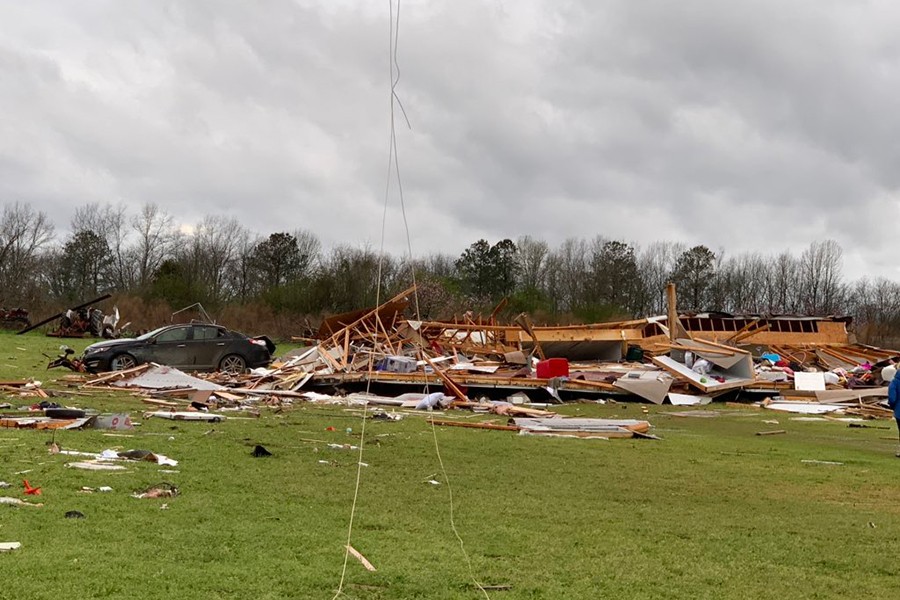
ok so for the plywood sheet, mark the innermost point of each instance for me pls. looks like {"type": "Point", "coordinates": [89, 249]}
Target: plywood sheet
{"type": "Point", "coordinates": [651, 386]}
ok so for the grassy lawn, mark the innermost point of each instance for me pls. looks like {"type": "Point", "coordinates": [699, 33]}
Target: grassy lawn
{"type": "Point", "coordinates": [709, 511]}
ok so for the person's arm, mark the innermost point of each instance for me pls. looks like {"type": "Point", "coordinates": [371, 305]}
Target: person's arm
{"type": "Point", "coordinates": [892, 392]}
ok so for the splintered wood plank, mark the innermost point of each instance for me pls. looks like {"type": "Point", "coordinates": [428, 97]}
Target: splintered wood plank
{"type": "Point", "coordinates": [387, 336]}
{"type": "Point", "coordinates": [446, 379]}
{"type": "Point", "coordinates": [120, 374]}
{"type": "Point", "coordinates": [474, 425]}
{"type": "Point", "coordinates": [751, 325]}
{"type": "Point", "coordinates": [362, 559]}
{"type": "Point", "coordinates": [748, 334]}
{"type": "Point", "coordinates": [323, 353]}
{"type": "Point", "coordinates": [346, 346]}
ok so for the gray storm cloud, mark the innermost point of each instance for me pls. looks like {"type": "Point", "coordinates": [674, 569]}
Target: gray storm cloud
{"type": "Point", "coordinates": [739, 125]}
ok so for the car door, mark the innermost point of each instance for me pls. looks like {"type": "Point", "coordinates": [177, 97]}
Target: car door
{"type": "Point", "coordinates": [207, 346]}
{"type": "Point", "coordinates": [170, 347]}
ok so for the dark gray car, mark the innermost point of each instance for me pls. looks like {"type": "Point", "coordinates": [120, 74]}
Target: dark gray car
{"type": "Point", "coordinates": [192, 346]}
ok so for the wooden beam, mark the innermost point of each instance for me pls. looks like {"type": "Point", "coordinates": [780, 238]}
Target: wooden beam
{"type": "Point", "coordinates": [523, 321]}
{"type": "Point", "coordinates": [323, 353]}
{"type": "Point", "coordinates": [387, 335]}
{"type": "Point", "coordinates": [446, 379]}
{"type": "Point", "coordinates": [746, 327]}
{"type": "Point", "coordinates": [502, 304]}
{"type": "Point", "coordinates": [362, 559]}
{"type": "Point", "coordinates": [346, 346]}
{"type": "Point", "coordinates": [474, 425]}
{"type": "Point", "coordinates": [578, 334]}
{"type": "Point", "coordinates": [672, 311]}
{"type": "Point", "coordinates": [747, 334]}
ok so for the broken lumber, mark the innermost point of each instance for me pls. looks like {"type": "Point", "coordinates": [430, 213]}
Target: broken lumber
{"type": "Point", "coordinates": [474, 425]}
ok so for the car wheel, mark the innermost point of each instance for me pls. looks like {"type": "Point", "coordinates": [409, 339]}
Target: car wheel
{"type": "Point", "coordinates": [233, 364]}
{"type": "Point", "coordinates": [120, 362]}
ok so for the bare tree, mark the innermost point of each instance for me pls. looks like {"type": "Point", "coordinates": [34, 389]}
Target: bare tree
{"type": "Point", "coordinates": [110, 224]}
{"type": "Point", "coordinates": [156, 241]}
{"type": "Point", "coordinates": [820, 287]}
{"type": "Point", "coordinates": [875, 306]}
{"type": "Point", "coordinates": [96, 217]}
{"type": "Point", "coordinates": [244, 279]}
{"type": "Point", "coordinates": [310, 249]}
{"type": "Point", "coordinates": [214, 249]}
{"type": "Point", "coordinates": [655, 263]}
{"type": "Point", "coordinates": [351, 276]}
{"type": "Point", "coordinates": [532, 258]}
{"type": "Point", "coordinates": [440, 266]}
{"type": "Point", "coordinates": [741, 280]}
{"type": "Point", "coordinates": [567, 270]}
{"type": "Point", "coordinates": [24, 232]}
{"type": "Point", "coordinates": [781, 287]}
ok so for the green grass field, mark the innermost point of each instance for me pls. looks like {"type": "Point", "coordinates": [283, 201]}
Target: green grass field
{"type": "Point", "coordinates": [709, 511]}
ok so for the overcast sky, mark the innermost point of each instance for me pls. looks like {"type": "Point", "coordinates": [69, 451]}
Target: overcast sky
{"type": "Point", "coordinates": [741, 125]}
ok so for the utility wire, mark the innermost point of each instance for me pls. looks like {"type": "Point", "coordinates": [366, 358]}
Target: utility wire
{"type": "Point", "coordinates": [387, 190]}
{"type": "Point", "coordinates": [394, 165]}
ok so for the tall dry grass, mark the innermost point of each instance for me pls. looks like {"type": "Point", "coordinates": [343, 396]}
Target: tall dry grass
{"type": "Point", "coordinates": [252, 319]}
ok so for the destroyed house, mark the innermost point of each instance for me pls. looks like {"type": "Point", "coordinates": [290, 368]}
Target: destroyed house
{"type": "Point", "coordinates": [640, 357]}
{"type": "Point", "coordinates": [610, 341]}
{"type": "Point", "coordinates": [756, 329]}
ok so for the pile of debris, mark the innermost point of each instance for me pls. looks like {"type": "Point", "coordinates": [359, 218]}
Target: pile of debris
{"type": "Point", "coordinates": [180, 396]}
{"type": "Point", "coordinates": [701, 358]}
{"type": "Point", "coordinates": [14, 318]}
{"type": "Point", "coordinates": [86, 319]}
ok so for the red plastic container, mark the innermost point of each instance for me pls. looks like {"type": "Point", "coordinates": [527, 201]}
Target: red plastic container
{"type": "Point", "coordinates": [553, 367]}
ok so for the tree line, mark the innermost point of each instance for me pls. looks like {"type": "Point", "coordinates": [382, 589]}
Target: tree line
{"type": "Point", "coordinates": [226, 267]}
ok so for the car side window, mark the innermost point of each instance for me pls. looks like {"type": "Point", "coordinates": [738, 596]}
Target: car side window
{"type": "Point", "coordinates": [179, 334]}
{"type": "Point", "coordinates": [206, 333]}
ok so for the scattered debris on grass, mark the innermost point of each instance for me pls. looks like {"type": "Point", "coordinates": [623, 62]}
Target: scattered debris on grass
{"type": "Point", "coordinates": [160, 490]}
{"type": "Point", "coordinates": [110, 455]}
{"type": "Point", "coordinates": [362, 559]}
{"type": "Point", "coordinates": [116, 422]}
{"type": "Point", "coordinates": [17, 502]}
{"type": "Point", "coordinates": [343, 447]}
{"type": "Point", "coordinates": [186, 416]}
{"type": "Point", "coordinates": [95, 466]}
{"type": "Point", "coordinates": [260, 451]}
